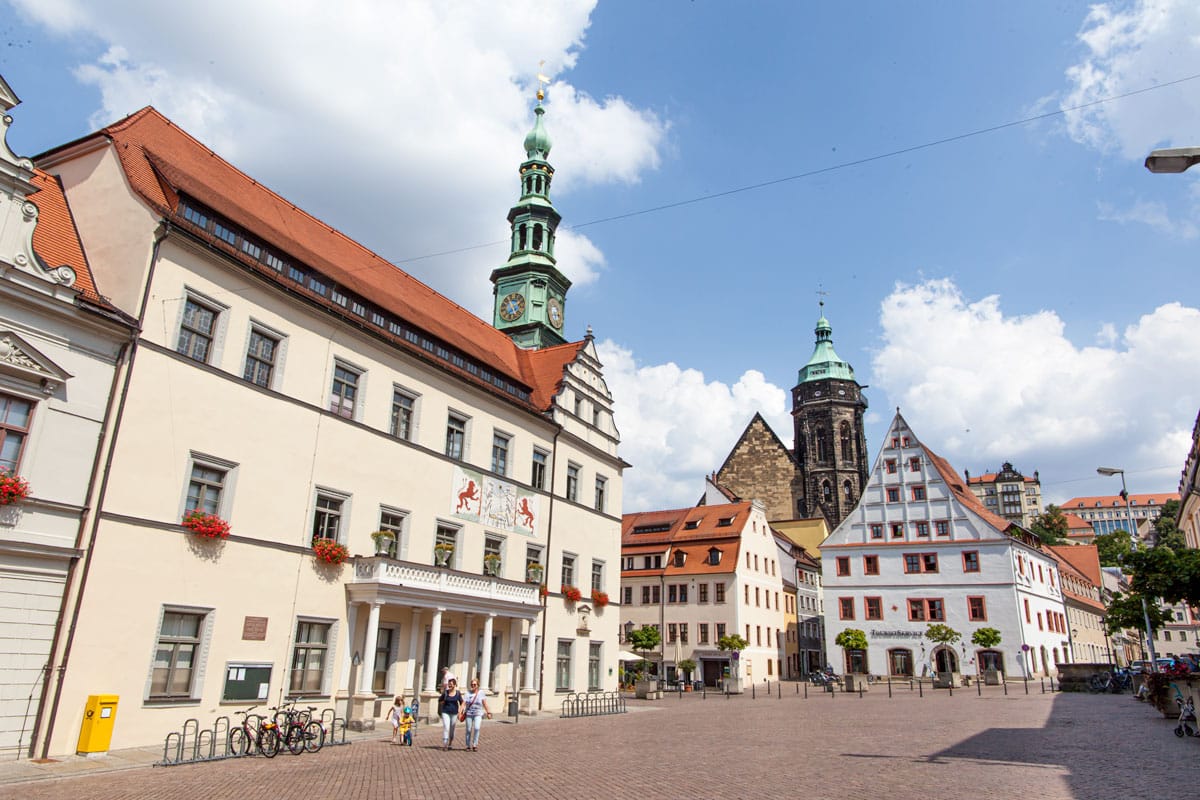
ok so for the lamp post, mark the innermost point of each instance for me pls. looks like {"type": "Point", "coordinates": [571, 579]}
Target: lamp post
{"type": "Point", "coordinates": [1110, 471]}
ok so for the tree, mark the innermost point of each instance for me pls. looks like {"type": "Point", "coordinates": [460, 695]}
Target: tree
{"type": "Point", "coordinates": [1112, 548]}
{"type": "Point", "coordinates": [987, 638]}
{"type": "Point", "coordinates": [687, 667]}
{"type": "Point", "coordinates": [645, 639]}
{"type": "Point", "coordinates": [732, 642]}
{"type": "Point", "coordinates": [1124, 612]}
{"type": "Point", "coordinates": [851, 639]}
{"type": "Point", "coordinates": [1050, 526]}
{"type": "Point", "coordinates": [1166, 531]}
{"type": "Point", "coordinates": [942, 634]}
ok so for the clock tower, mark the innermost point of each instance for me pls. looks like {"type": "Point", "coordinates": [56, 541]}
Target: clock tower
{"type": "Point", "coordinates": [530, 292]}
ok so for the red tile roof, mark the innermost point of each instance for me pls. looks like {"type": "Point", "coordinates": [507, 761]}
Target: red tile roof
{"type": "Point", "coordinates": [161, 161]}
{"type": "Point", "coordinates": [1077, 525]}
{"type": "Point", "coordinates": [55, 239]}
{"type": "Point", "coordinates": [1154, 500]}
{"type": "Point", "coordinates": [1083, 557]}
{"type": "Point", "coordinates": [965, 495]}
{"type": "Point", "coordinates": [990, 477]}
{"type": "Point", "coordinates": [694, 541]}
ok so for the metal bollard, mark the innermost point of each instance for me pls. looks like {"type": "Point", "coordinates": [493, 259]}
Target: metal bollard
{"type": "Point", "coordinates": [806, 691]}
{"type": "Point", "coordinates": [920, 689]}
{"type": "Point", "coordinates": [979, 687]}
{"type": "Point", "coordinates": [752, 695]}
{"type": "Point", "coordinates": [1004, 683]}
{"type": "Point", "coordinates": [1026, 684]}
{"type": "Point", "coordinates": [889, 688]}
{"type": "Point", "coordinates": [1043, 682]}
{"type": "Point", "coordinates": [860, 691]}
{"type": "Point", "coordinates": [779, 690]}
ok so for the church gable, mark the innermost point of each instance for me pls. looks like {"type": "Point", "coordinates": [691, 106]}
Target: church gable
{"type": "Point", "coordinates": [761, 467]}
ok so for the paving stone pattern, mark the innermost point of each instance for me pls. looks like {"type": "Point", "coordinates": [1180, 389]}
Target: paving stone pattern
{"type": "Point", "coordinates": [1047, 746]}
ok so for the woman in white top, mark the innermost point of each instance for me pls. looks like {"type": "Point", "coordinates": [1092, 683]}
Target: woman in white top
{"type": "Point", "coordinates": [474, 710]}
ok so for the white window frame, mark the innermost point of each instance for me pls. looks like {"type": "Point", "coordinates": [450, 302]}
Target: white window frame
{"type": "Point", "coordinates": [466, 435]}
{"type": "Point", "coordinates": [228, 485]}
{"type": "Point", "coordinates": [200, 659]}
{"type": "Point", "coordinates": [497, 436]}
{"type": "Point", "coordinates": [281, 340]}
{"type": "Point", "coordinates": [571, 489]}
{"type": "Point", "coordinates": [343, 515]}
{"type": "Point", "coordinates": [330, 657]}
{"type": "Point", "coordinates": [220, 324]}
{"type": "Point", "coordinates": [360, 388]}
{"type": "Point", "coordinates": [545, 464]}
{"type": "Point", "coordinates": [415, 397]}
{"type": "Point", "coordinates": [400, 547]}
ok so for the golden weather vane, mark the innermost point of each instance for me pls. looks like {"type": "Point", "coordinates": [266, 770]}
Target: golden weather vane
{"type": "Point", "coordinates": [543, 82]}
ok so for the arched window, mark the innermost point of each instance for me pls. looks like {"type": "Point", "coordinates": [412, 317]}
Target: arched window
{"type": "Point", "coordinates": [537, 237]}
{"type": "Point", "coordinates": [524, 235]}
{"type": "Point", "coordinates": [847, 491]}
{"type": "Point", "coordinates": [823, 453]}
{"type": "Point", "coordinates": [826, 492]}
{"type": "Point", "coordinates": [844, 435]}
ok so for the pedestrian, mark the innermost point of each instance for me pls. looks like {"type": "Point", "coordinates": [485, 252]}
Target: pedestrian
{"type": "Point", "coordinates": [406, 725]}
{"type": "Point", "coordinates": [450, 702]}
{"type": "Point", "coordinates": [395, 715]}
{"type": "Point", "coordinates": [475, 707]}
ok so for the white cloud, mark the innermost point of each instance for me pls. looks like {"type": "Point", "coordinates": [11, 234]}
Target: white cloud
{"type": "Point", "coordinates": [982, 388]}
{"type": "Point", "coordinates": [676, 426]}
{"type": "Point", "coordinates": [1129, 47]}
{"type": "Point", "coordinates": [1147, 212]}
{"type": "Point", "coordinates": [352, 105]}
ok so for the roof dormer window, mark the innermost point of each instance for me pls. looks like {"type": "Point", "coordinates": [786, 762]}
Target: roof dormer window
{"type": "Point", "coordinates": [680, 557]}
{"type": "Point", "coordinates": [724, 522]}
{"type": "Point", "coordinates": [691, 525]}
{"type": "Point", "coordinates": [714, 556]}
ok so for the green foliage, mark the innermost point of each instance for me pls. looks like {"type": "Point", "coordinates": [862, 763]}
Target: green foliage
{"type": "Point", "coordinates": [1113, 548]}
{"type": "Point", "coordinates": [942, 634]}
{"type": "Point", "coordinates": [687, 666]}
{"type": "Point", "coordinates": [851, 639]}
{"type": "Point", "coordinates": [1050, 526]}
{"type": "Point", "coordinates": [732, 642]}
{"type": "Point", "coordinates": [645, 639]}
{"type": "Point", "coordinates": [985, 637]}
{"type": "Point", "coordinates": [1163, 572]}
{"type": "Point", "coordinates": [1124, 612]}
{"type": "Point", "coordinates": [1166, 531]}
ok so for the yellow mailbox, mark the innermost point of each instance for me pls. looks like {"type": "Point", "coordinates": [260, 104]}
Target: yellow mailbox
{"type": "Point", "coordinates": [98, 717]}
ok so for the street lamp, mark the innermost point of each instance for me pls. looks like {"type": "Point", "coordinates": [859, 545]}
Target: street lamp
{"type": "Point", "coordinates": [1173, 159]}
{"type": "Point", "coordinates": [1110, 471]}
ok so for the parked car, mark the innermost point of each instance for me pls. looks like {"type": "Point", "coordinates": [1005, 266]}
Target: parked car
{"type": "Point", "coordinates": [1138, 667]}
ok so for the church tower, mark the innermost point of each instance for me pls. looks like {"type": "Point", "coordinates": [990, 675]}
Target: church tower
{"type": "Point", "coordinates": [831, 448]}
{"type": "Point", "coordinates": [530, 293]}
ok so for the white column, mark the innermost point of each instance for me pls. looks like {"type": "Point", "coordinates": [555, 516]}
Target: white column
{"type": "Point", "coordinates": [468, 653]}
{"type": "Point", "coordinates": [485, 661]}
{"type": "Point", "coordinates": [531, 661]}
{"type": "Point", "coordinates": [514, 638]}
{"type": "Point", "coordinates": [414, 644]}
{"type": "Point", "coordinates": [366, 675]}
{"type": "Point", "coordinates": [435, 635]}
{"type": "Point", "coordinates": [348, 641]}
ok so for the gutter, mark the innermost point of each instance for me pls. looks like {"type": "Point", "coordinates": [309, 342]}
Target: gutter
{"type": "Point", "coordinates": [159, 236]}
{"type": "Point", "coordinates": [549, 539]}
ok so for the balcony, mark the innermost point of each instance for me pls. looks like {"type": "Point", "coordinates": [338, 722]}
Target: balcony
{"type": "Point", "coordinates": [407, 582]}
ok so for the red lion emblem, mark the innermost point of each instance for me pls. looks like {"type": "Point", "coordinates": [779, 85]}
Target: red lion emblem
{"type": "Point", "coordinates": [525, 512]}
{"type": "Point", "coordinates": [466, 496]}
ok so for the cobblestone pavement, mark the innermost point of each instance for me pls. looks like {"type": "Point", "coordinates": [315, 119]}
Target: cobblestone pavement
{"type": "Point", "coordinates": [1038, 745]}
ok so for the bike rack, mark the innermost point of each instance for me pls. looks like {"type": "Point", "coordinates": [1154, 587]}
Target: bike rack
{"type": "Point", "coordinates": [204, 741]}
{"type": "Point", "coordinates": [592, 704]}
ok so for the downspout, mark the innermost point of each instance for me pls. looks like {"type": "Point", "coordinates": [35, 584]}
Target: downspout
{"type": "Point", "coordinates": [101, 441]}
{"type": "Point", "coordinates": [159, 236]}
{"type": "Point", "coordinates": [549, 540]}
{"type": "Point", "coordinates": [662, 625]}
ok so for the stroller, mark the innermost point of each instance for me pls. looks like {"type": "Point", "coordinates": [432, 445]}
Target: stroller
{"type": "Point", "coordinates": [1187, 719]}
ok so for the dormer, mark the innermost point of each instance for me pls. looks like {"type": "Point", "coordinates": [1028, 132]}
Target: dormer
{"type": "Point", "coordinates": [714, 556]}
{"type": "Point", "coordinates": [679, 557]}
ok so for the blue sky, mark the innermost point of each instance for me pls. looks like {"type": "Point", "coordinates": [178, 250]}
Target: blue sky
{"type": "Point", "coordinates": [1023, 295]}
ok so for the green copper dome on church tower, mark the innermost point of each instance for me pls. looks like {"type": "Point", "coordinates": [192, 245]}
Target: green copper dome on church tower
{"type": "Point", "coordinates": [825, 363]}
{"type": "Point", "coordinates": [537, 141]}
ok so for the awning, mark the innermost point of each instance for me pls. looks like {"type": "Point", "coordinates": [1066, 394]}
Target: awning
{"type": "Point", "coordinates": [624, 656]}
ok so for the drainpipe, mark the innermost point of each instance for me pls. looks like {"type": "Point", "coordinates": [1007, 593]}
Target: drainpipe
{"type": "Point", "coordinates": [159, 235]}
{"type": "Point", "coordinates": [549, 540]}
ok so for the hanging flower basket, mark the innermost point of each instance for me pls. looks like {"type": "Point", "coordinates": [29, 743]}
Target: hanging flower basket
{"type": "Point", "coordinates": [330, 551]}
{"type": "Point", "coordinates": [13, 488]}
{"type": "Point", "coordinates": [599, 598]}
{"type": "Point", "coordinates": [491, 564]}
{"type": "Point", "coordinates": [571, 593]}
{"type": "Point", "coordinates": [442, 553]}
{"type": "Point", "coordinates": [210, 526]}
{"type": "Point", "coordinates": [534, 571]}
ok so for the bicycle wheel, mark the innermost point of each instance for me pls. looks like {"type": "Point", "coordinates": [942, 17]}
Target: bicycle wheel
{"type": "Point", "coordinates": [294, 739]}
{"type": "Point", "coordinates": [268, 742]}
{"type": "Point", "coordinates": [1096, 684]}
{"type": "Point", "coordinates": [238, 742]}
{"type": "Point", "coordinates": [314, 737]}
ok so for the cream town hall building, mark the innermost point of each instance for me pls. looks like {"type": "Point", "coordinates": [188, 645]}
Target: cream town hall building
{"type": "Point", "coordinates": [920, 548]}
{"type": "Point", "coordinates": [295, 385]}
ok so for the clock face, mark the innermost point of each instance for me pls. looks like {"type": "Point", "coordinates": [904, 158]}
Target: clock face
{"type": "Point", "coordinates": [554, 309]}
{"type": "Point", "coordinates": [512, 307]}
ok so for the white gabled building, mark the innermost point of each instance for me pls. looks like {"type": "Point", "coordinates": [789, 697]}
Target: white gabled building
{"type": "Point", "coordinates": [920, 548]}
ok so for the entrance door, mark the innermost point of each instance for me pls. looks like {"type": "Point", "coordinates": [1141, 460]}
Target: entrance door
{"type": "Point", "coordinates": [991, 659]}
{"type": "Point", "coordinates": [900, 662]}
{"type": "Point", "coordinates": [712, 672]}
{"type": "Point", "coordinates": [946, 660]}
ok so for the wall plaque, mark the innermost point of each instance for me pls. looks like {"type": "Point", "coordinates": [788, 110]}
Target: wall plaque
{"type": "Point", "coordinates": [254, 629]}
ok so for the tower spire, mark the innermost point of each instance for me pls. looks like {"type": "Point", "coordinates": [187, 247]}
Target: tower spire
{"type": "Point", "coordinates": [530, 292]}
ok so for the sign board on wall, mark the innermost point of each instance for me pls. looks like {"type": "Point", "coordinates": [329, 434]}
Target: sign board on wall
{"type": "Point", "coordinates": [494, 503]}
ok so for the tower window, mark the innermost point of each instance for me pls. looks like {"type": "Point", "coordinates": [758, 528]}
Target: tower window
{"type": "Point", "coordinates": [844, 435]}
{"type": "Point", "coordinates": [537, 237]}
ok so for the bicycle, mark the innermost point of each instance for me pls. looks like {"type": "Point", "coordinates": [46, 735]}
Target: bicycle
{"type": "Point", "coordinates": [298, 731]}
{"type": "Point", "coordinates": [263, 735]}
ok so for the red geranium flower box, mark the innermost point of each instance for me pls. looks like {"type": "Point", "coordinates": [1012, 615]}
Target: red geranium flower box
{"type": "Point", "coordinates": [571, 593]}
{"type": "Point", "coordinates": [210, 526]}
{"type": "Point", "coordinates": [599, 599]}
{"type": "Point", "coordinates": [330, 551]}
{"type": "Point", "coordinates": [13, 488]}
